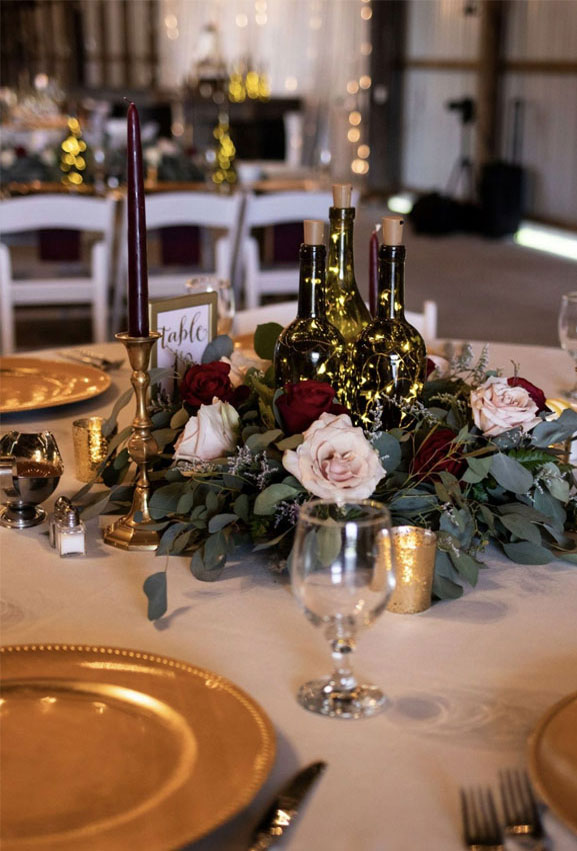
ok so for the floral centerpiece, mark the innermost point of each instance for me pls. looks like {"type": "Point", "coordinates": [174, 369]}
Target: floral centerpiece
{"type": "Point", "coordinates": [480, 458]}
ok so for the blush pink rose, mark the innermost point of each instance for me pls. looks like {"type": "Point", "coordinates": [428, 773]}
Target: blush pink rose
{"type": "Point", "coordinates": [335, 460]}
{"type": "Point", "coordinates": [498, 407]}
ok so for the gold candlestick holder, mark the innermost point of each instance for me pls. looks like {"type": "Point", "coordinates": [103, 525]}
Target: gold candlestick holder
{"type": "Point", "coordinates": [132, 531]}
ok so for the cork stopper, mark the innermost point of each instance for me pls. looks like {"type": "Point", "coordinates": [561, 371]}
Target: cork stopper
{"type": "Point", "coordinates": [314, 232]}
{"type": "Point", "coordinates": [342, 194]}
{"type": "Point", "coordinates": [393, 230]}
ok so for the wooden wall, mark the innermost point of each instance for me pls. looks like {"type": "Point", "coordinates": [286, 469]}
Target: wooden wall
{"type": "Point", "coordinates": [538, 64]}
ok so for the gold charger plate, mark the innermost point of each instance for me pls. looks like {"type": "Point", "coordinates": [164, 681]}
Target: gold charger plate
{"type": "Point", "coordinates": [27, 384]}
{"type": "Point", "coordinates": [553, 760]}
{"type": "Point", "coordinates": [105, 749]}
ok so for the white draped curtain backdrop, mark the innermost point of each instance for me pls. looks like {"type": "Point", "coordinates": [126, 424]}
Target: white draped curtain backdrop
{"type": "Point", "coordinates": [317, 50]}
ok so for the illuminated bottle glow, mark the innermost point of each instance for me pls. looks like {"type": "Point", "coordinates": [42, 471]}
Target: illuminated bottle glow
{"type": "Point", "coordinates": [390, 358]}
{"type": "Point", "coordinates": [310, 347]}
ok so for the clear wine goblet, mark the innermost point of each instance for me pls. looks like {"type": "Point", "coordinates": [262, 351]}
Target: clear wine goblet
{"type": "Point", "coordinates": [342, 575]}
{"type": "Point", "coordinates": [568, 332]}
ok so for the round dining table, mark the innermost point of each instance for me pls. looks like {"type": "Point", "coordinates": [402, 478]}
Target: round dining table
{"type": "Point", "coordinates": [467, 680]}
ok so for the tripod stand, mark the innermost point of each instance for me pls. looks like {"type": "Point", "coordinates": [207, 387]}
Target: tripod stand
{"type": "Point", "coordinates": [462, 171]}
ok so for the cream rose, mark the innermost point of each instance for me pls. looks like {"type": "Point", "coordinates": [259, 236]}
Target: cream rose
{"type": "Point", "coordinates": [335, 461]}
{"type": "Point", "coordinates": [211, 433]}
{"type": "Point", "coordinates": [241, 360]}
{"type": "Point", "coordinates": [497, 407]}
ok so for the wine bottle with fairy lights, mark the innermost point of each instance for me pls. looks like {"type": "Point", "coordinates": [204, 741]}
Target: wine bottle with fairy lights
{"type": "Point", "coordinates": [390, 359]}
{"type": "Point", "coordinates": [310, 347]}
{"type": "Point", "coordinates": [346, 309]}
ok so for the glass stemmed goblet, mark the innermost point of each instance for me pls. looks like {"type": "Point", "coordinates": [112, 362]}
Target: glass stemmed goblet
{"type": "Point", "coordinates": [568, 332]}
{"type": "Point", "coordinates": [342, 576]}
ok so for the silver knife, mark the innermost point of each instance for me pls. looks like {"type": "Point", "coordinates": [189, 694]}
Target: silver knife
{"type": "Point", "coordinates": [282, 811]}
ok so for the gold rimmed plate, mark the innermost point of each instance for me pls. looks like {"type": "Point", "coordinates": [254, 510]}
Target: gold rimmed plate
{"type": "Point", "coordinates": [27, 384]}
{"type": "Point", "coordinates": [553, 760]}
{"type": "Point", "coordinates": [106, 748]}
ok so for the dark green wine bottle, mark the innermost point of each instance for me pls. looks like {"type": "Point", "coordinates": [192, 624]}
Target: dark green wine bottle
{"type": "Point", "coordinates": [390, 358]}
{"type": "Point", "coordinates": [346, 309]}
{"type": "Point", "coordinates": [310, 347]}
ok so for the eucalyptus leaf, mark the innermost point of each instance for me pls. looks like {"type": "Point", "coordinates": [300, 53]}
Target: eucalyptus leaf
{"type": "Point", "coordinates": [165, 500]}
{"type": "Point", "coordinates": [165, 545]}
{"type": "Point", "coordinates": [212, 503]}
{"type": "Point", "coordinates": [180, 418]}
{"type": "Point", "coordinates": [122, 401]}
{"type": "Point", "coordinates": [477, 469]}
{"type": "Point", "coordinates": [221, 347]}
{"type": "Point", "coordinates": [241, 507]}
{"type": "Point", "coordinates": [121, 460]}
{"type": "Point", "coordinates": [389, 450]}
{"type": "Point", "coordinates": [155, 590]}
{"type": "Point", "coordinates": [269, 498]}
{"type": "Point", "coordinates": [266, 545]}
{"type": "Point", "coordinates": [523, 552]}
{"type": "Point", "coordinates": [185, 503]}
{"type": "Point", "coordinates": [199, 569]}
{"type": "Point", "coordinates": [521, 528]}
{"type": "Point", "coordinates": [547, 505]}
{"type": "Point", "coordinates": [290, 442]}
{"type": "Point", "coordinates": [510, 474]}
{"type": "Point", "coordinates": [215, 549]}
{"type": "Point", "coordinates": [412, 501]}
{"type": "Point", "coordinates": [96, 507]}
{"type": "Point", "coordinates": [446, 589]}
{"type": "Point", "coordinates": [465, 565]}
{"type": "Point", "coordinates": [219, 521]}
{"type": "Point", "coordinates": [265, 338]}
{"type": "Point", "coordinates": [259, 442]}
{"type": "Point", "coordinates": [557, 431]}
{"type": "Point", "coordinates": [329, 542]}
{"type": "Point", "coordinates": [163, 437]}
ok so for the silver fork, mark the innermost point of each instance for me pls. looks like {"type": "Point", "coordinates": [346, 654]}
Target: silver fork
{"type": "Point", "coordinates": [520, 809]}
{"type": "Point", "coordinates": [481, 828]}
{"type": "Point", "coordinates": [99, 362]}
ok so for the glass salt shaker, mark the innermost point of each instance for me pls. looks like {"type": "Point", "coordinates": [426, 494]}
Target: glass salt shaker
{"type": "Point", "coordinates": [70, 534]}
{"type": "Point", "coordinates": [61, 506]}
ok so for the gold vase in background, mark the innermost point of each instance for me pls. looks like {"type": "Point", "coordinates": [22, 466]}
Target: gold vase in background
{"type": "Point", "coordinates": [90, 447]}
{"type": "Point", "coordinates": [414, 552]}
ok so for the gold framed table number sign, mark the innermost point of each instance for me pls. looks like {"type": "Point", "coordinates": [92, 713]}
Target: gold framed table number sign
{"type": "Point", "coordinates": [186, 325]}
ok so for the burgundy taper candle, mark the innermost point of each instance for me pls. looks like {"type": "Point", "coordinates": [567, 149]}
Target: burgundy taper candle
{"type": "Point", "coordinates": [374, 272]}
{"type": "Point", "coordinates": [137, 261]}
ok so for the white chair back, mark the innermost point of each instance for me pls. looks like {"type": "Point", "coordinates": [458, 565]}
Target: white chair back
{"type": "Point", "coordinates": [48, 212]}
{"type": "Point", "coordinates": [284, 312]}
{"type": "Point", "coordinates": [275, 209]}
{"type": "Point", "coordinates": [172, 209]}
{"type": "Point", "coordinates": [425, 322]}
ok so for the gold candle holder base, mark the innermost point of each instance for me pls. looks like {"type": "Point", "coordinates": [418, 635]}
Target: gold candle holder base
{"type": "Point", "coordinates": [132, 531]}
{"type": "Point", "coordinates": [414, 549]}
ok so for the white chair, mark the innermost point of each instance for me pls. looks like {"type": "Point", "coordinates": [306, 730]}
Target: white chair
{"type": "Point", "coordinates": [425, 322]}
{"type": "Point", "coordinates": [275, 209]}
{"type": "Point", "coordinates": [170, 209]}
{"type": "Point", "coordinates": [245, 321]}
{"type": "Point", "coordinates": [46, 212]}
{"type": "Point", "coordinates": [284, 312]}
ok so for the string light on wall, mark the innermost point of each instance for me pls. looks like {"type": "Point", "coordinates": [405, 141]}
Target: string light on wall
{"type": "Point", "coordinates": [360, 155]}
{"type": "Point", "coordinates": [171, 24]}
{"type": "Point", "coordinates": [72, 161]}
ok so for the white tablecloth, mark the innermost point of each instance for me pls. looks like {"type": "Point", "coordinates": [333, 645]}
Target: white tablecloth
{"type": "Point", "coordinates": [467, 680]}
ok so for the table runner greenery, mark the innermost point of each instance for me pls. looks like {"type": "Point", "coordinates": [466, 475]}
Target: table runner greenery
{"type": "Point", "coordinates": [479, 459]}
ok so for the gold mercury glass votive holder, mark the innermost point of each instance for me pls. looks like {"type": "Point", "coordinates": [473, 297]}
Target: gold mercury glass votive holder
{"type": "Point", "coordinates": [90, 447]}
{"type": "Point", "coordinates": [414, 551]}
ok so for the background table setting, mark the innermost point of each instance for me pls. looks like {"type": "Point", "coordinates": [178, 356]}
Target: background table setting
{"type": "Point", "coordinates": [467, 680]}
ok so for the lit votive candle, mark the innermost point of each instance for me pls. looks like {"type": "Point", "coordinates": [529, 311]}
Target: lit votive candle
{"type": "Point", "coordinates": [414, 552]}
{"type": "Point", "coordinates": [90, 447]}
